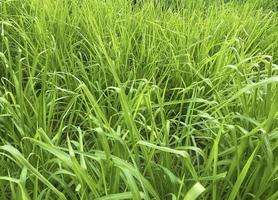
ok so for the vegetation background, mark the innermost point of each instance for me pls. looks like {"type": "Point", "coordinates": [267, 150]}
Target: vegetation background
{"type": "Point", "coordinates": [102, 100]}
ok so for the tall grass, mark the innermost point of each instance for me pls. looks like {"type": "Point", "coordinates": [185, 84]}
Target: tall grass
{"type": "Point", "coordinates": [163, 101]}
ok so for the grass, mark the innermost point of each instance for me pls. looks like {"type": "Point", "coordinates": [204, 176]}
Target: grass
{"type": "Point", "coordinates": [167, 101]}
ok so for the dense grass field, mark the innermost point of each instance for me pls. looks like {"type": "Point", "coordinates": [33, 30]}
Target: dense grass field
{"type": "Point", "coordinates": [174, 100]}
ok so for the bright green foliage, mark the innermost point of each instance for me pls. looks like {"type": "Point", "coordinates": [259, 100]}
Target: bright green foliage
{"type": "Point", "coordinates": [167, 100]}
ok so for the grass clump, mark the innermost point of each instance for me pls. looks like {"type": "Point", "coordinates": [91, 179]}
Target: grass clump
{"type": "Point", "coordinates": [102, 100]}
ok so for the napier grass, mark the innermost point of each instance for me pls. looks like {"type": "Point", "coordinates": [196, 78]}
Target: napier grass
{"type": "Point", "coordinates": [172, 100]}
